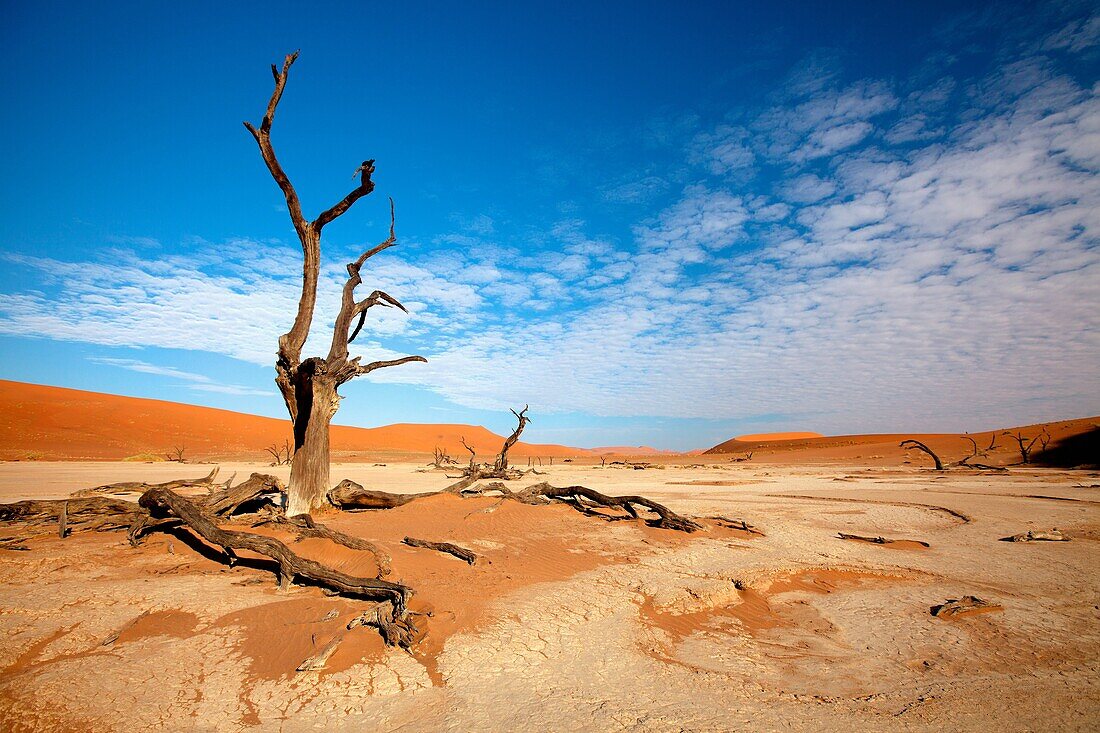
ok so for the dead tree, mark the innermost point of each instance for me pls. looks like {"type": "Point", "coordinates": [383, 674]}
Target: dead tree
{"type": "Point", "coordinates": [281, 454]}
{"type": "Point", "coordinates": [441, 459]}
{"type": "Point", "coordinates": [922, 447]}
{"type": "Point", "coordinates": [309, 387]}
{"type": "Point", "coordinates": [176, 454]}
{"type": "Point", "coordinates": [473, 454]}
{"type": "Point", "coordinates": [1025, 446]}
{"type": "Point", "coordinates": [501, 463]}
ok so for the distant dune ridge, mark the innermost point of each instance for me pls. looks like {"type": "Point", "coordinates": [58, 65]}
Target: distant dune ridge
{"type": "Point", "coordinates": [1069, 443]}
{"type": "Point", "coordinates": [55, 423]}
{"type": "Point", "coordinates": [776, 436]}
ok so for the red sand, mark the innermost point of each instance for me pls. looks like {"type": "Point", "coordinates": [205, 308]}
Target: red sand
{"type": "Point", "coordinates": [776, 436]}
{"type": "Point", "coordinates": [54, 423]}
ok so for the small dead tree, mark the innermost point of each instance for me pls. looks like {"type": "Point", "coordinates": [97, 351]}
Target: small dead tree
{"type": "Point", "coordinates": [473, 454]}
{"type": "Point", "coordinates": [501, 463]}
{"type": "Point", "coordinates": [309, 387]}
{"type": "Point", "coordinates": [176, 454]}
{"type": "Point", "coordinates": [442, 459]}
{"type": "Point", "coordinates": [280, 454]}
{"type": "Point", "coordinates": [907, 444]}
{"type": "Point", "coordinates": [1025, 445]}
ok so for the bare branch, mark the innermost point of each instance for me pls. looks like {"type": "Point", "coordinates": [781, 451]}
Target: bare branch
{"type": "Point", "coordinates": [351, 369]}
{"type": "Point", "coordinates": [366, 185]}
{"type": "Point", "coordinates": [922, 447]}
{"type": "Point", "coordinates": [263, 139]}
{"type": "Point", "coordinates": [349, 308]}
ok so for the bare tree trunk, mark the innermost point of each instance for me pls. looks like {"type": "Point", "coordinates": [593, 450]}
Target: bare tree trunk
{"type": "Point", "coordinates": [309, 472]}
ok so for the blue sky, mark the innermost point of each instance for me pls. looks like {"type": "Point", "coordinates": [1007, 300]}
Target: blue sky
{"type": "Point", "coordinates": [656, 224]}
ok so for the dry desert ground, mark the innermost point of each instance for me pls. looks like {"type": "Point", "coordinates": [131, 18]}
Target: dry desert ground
{"type": "Point", "coordinates": [571, 622]}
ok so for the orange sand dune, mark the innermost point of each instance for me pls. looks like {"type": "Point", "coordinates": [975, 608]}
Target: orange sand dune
{"type": "Point", "coordinates": [53, 423]}
{"type": "Point", "coordinates": [633, 450]}
{"type": "Point", "coordinates": [776, 436]}
{"type": "Point", "coordinates": [1070, 443]}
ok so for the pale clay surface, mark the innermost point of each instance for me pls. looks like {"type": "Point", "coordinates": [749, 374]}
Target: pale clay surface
{"type": "Point", "coordinates": [577, 654]}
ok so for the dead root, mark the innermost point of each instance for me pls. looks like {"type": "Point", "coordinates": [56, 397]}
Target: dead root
{"type": "Point", "coordinates": [445, 547]}
{"type": "Point", "coordinates": [588, 501]}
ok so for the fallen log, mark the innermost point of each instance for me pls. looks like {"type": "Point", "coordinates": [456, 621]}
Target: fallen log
{"type": "Point", "coordinates": [877, 540]}
{"type": "Point", "coordinates": [445, 547]}
{"type": "Point", "coordinates": [228, 500]}
{"type": "Point", "coordinates": [349, 495]}
{"type": "Point", "coordinates": [140, 487]}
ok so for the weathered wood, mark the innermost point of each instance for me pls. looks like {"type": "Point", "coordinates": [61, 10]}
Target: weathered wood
{"type": "Point", "coordinates": [306, 526]}
{"type": "Point", "coordinates": [161, 502]}
{"type": "Point", "coordinates": [396, 629]}
{"type": "Point", "coordinates": [876, 540]}
{"type": "Point", "coordinates": [445, 547]}
{"type": "Point", "coordinates": [349, 495]}
{"type": "Point", "coordinates": [140, 487]}
{"type": "Point", "coordinates": [229, 499]}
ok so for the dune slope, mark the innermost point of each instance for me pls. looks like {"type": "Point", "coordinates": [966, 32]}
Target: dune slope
{"type": "Point", "coordinates": [53, 423]}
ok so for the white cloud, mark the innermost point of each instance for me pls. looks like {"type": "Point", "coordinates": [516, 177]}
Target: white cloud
{"type": "Point", "coordinates": [194, 381]}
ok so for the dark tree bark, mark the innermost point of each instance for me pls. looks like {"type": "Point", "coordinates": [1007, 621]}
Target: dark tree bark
{"type": "Point", "coordinates": [1025, 446]}
{"type": "Point", "coordinates": [309, 387]}
{"type": "Point", "coordinates": [922, 447]}
{"type": "Point", "coordinates": [501, 463]}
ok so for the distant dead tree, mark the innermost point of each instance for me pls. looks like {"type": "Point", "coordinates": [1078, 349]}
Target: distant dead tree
{"type": "Point", "coordinates": [176, 454]}
{"type": "Point", "coordinates": [281, 454]}
{"type": "Point", "coordinates": [1025, 445]}
{"type": "Point", "coordinates": [501, 463]}
{"type": "Point", "coordinates": [473, 453]}
{"type": "Point", "coordinates": [440, 458]}
{"type": "Point", "coordinates": [309, 387]}
{"type": "Point", "coordinates": [499, 469]}
{"type": "Point", "coordinates": [907, 444]}
{"type": "Point", "coordinates": [992, 442]}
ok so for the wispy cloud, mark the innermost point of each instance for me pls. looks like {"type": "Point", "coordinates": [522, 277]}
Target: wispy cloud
{"type": "Point", "coordinates": [194, 381]}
